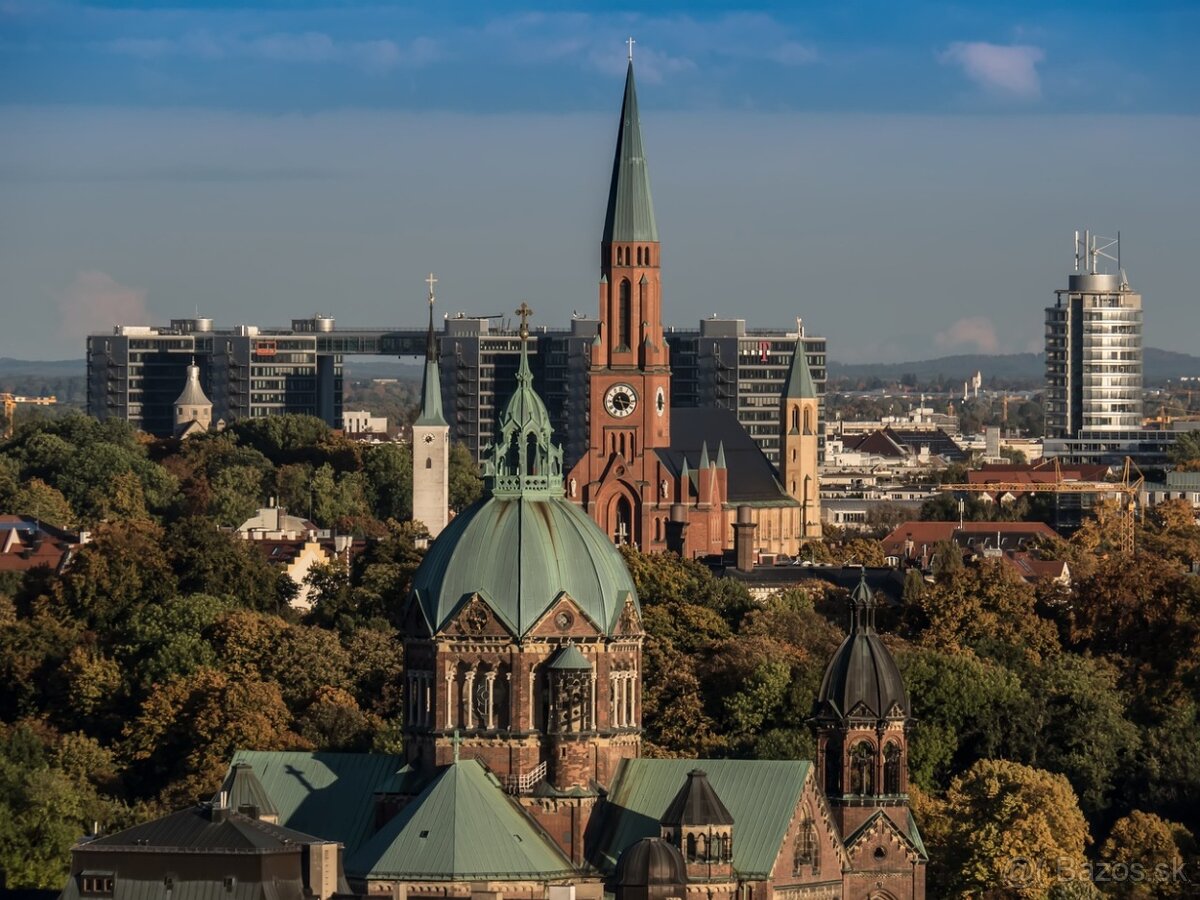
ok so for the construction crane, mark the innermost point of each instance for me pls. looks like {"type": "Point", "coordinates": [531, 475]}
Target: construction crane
{"type": "Point", "coordinates": [1129, 488]}
{"type": "Point", "coordinates": [10, 402]}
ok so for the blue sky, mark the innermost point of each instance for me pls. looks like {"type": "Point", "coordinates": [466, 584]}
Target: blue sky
{"type": "Point", "coordinates": [905, 176]}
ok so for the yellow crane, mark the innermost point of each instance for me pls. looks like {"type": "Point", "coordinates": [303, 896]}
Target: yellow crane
{"type": "Point", "coordinates": [1128, 488]}
{"type": "Point", "coordinates": [10, 402]}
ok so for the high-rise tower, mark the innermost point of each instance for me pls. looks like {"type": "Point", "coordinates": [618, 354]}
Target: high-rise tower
{"type": "Point", "coordinates": [1094, 348]}
{"type": "Point", "coordinates": [431, 442]}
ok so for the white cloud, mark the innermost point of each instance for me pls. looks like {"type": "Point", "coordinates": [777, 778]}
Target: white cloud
{"type": "Point", "coordinates": [977, 332]}
{"type": "Point", "coordinates": [1009, 69]}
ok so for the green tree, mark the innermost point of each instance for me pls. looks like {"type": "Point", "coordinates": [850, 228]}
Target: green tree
{"type": "Point", "coordinates": [388, 470]}
{"type": "Point", "coordinates": [1157, 847]}
{"type": "Point", "coordinates": [1185, 450]}
{"type": "Point", "coordinates": [465, 484]}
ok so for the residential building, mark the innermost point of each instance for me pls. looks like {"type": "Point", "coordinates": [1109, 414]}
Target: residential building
{"type": "Point", "coordinates": [28, 543]}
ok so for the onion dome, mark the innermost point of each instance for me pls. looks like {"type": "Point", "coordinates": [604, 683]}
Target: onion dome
{"type": "Point", "coordinates": [862, 679]}
{"type": "Point", "coordinates": [651, 862]}
{"type": "Point", "coordinates": [523, 544]}
{"type": "Point", "coordinates": [697, 804]}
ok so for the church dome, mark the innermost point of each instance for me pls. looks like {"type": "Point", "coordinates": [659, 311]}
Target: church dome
{"type": "Point", "coordinates": [862, 679]}
{"type": "Point", "coordinates": [649, 863]}
{"type": "Point", "coordinates": [523, 545]}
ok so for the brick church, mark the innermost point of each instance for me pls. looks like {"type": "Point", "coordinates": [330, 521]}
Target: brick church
{"type": "Point", "coordinates": [677, 479]}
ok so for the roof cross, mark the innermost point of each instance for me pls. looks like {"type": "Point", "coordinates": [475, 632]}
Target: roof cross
{"type": "Point", "coordinates": [456, 742]}
{"type": "Point", "coordinates": [431, 281]}
{"type": "Point", "coordinates": [524, 312]}
{"type": "Point", "coordinates": [631, 42]}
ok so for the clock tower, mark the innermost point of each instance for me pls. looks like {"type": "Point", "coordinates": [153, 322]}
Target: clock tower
{"type": "Point", "coordinates": [431, 442]}
{"type": "Point", "coordinates": [620, 480]}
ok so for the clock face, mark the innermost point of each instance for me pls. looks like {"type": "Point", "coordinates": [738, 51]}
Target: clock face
{"type": "Point", "coordinates": [429, 438]}
{"type": "Point", "coordinates": [620, 400]}
{"type": "Point", "coordinates": [660, 402]}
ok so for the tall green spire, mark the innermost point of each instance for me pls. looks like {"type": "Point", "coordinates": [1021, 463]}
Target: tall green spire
{"type": "Point", "coordinates": [431, 389]}
{"type": "Point", "coordinates": [524, 461]}
{"type": "Point", "coordinates": [630, 215]}
{"type": "Point", "coordinates": [799, 381]}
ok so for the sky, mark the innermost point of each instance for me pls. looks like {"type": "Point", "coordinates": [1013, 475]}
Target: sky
{"type": "Point", "coordinates": [906, 177]}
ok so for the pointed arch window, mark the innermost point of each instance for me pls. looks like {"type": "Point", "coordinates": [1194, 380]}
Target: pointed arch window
{"type": "Point", "coordinates": [690, 854]}
{"type": "Point", "coordinates": [805, 853]}
{"type": "Point", "coordinates": [808, 424]}
{"type": "Point", "coordinates": [625, 314]}
{"type": "Point", "coordinates": [862, 769]}
{"type": "Point", "coordinates": [531, 454]}
{"type": "Point", "coordinates": [429, 462]}
{"type": "Point", "coordinates": [891, 769]}
{"type": "Point", "coordinates": [795, 418]}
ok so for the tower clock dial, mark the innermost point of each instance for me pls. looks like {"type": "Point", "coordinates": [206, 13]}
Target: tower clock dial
{"type": "Point", "coordinates": [660, 402]}
{"type": "Point", "coordinates": [620, 400]}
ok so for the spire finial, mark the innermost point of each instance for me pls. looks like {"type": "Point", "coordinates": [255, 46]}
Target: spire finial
{"type": "Point", "coordinates": [524, 312]}
{"type": "Point", "coordinates": [456, 742]}
{"type": "Point", "coordinates": [431, 281]}
{"type": "Point", "coordinates": [430, 342]}
{"type": "Point", "coordinates": [631, 42]}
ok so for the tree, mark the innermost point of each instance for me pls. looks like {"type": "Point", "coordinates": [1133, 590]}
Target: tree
{"type": "Point", "coordinates": [188, 729]}
{"type": "Point", "coordinates": [465, 484]}
{"type": "Point", "coordinates": [209, 561]}
{"type": "Point", "coordinates": [334, 721]}
{"type": "Point", "coordinates": [388, 469]}
{"type": "Point", "coordinates": [1157, 847]}
{"type": "Point", "coordinates": [1013, 827]}
{"type": "Point", "coordinates": [1185, 450]}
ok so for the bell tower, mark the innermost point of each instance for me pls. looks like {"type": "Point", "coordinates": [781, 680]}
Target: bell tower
{"type": "Point", "coordinates": [799, 426]}
{"type": "Point", "coordinates": [431, 442]}
{"type": "Point", "coordinates": [617, 479]}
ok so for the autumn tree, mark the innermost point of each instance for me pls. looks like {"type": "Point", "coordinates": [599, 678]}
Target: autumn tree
{"type": "Point", "coordinates": [1157, 847]}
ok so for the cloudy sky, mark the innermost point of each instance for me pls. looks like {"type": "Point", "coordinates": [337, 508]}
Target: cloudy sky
{"type": "Point", "coordinates": [907, 177]}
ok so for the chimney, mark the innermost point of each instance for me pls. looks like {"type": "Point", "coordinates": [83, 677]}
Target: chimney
{"type": "Point", "coordinates": [743, 540]}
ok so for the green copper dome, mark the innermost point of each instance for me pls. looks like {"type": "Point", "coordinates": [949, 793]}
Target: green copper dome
{"type": "Point", "coordinates": [523, 544]}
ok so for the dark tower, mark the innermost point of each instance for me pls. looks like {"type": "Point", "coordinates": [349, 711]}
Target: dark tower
{"type": "Point", "coordinates": [861, 720]}
{"type": "Point", "coordinates": [700, 826]}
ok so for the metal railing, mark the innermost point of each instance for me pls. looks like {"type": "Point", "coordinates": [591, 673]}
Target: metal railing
{"type": "Point", "coordinates": [523, 784]}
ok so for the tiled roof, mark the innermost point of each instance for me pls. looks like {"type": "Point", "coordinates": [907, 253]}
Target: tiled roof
{"type": "Point", "coordinates": [926, 534]}
{"type": "Point", "coordinates": [462, 827]}
{"type": "Point", "coordinates": [27, 543]}
{"type": "Point", "coordinates": [761, 795]}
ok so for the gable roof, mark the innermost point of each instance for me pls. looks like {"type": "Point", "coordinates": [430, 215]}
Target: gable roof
{"type": "Point", "coordinates": [205, 828]}
{"type": "Point", "coordinates": [761, 795]}
{"type": "Point", "coordinates": [1012, 534]}
{"type": "Point", "coordinates": [752, 478]}
{"type": "Point", "coordinates": [911, 839]}
{"type": "Point", "coordinates": [462, 827]}
{"type": "Point", "coordinates": [328, 794]}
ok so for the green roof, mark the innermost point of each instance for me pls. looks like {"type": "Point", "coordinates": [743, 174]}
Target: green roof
{"type": "Point", "coordinates": [630, 215]}
{"type": "Point", "coordinates": [571, 657]}
{"type": "Point", "coordinates": [431, 389]}
{"type": "Point", "coordinates": [761, 795]}
{"type": "Point", "coordinates": [462, 827]}
{"type": "Point", "coordinates": [330, 795]}
{"type": "Point", "coordinates": [242, 788]}
{"type": "Point", "coordinates": [520, 554]}
{"type": "Point", "coordinates": [799, 381]}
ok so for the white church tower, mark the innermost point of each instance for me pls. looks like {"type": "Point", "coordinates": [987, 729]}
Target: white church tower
{"type": "Point", "coordinates": [431, 443]}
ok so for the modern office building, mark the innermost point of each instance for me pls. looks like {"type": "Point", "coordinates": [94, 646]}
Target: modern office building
{"type": "Point", "coordinates": [136, 372]}
{"type": "Point", "coordinates": [1094, 349]}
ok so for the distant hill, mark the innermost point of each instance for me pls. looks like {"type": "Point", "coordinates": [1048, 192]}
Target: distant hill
{"type": "Point", "coordinates": [1159, 365]}
{"type": "Point", "coordinates": [42, 368]}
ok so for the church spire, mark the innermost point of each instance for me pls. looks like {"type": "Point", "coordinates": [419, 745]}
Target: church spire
{"type": "Point", "coordinates": [431, 389]}
{"type": "Point", "coordinates": [800, 381]}
{"type": "Point", "coordinates": [630, 215]}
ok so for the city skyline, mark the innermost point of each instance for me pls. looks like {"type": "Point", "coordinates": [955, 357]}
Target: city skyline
{"type": "Point", "coordinates": [361, 149]}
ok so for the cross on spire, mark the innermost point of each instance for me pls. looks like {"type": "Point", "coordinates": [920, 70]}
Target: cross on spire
{"type": "Point", "coordinates": [524, 312]}
{"type": "Point", "coordinates": [431, 281]}
{"type": "Point", "coordinates": [631, 42]}
{"type": "Point", "coordinates": [456, 742]}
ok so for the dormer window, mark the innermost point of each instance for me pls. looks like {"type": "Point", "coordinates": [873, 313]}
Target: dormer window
{"type": "Point", "coordinates": [96, 884]}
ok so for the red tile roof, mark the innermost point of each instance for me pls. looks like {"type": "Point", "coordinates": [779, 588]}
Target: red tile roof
{"type": "Point", "coordinates": [26, 543]}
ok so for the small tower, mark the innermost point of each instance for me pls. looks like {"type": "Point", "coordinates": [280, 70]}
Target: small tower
{"type": "Point", "coordinates": [861, 720]}
{"type": "Point", "coordinates": [571, 724]}
{"type": "Point", "coordinates": [193, 409]}
{"type": "Point", "coordinates": [431, 442]}
{"type": "Point", "coordinates": [799, 426]}
{"type": "Point", "coordinates": [700, 826]}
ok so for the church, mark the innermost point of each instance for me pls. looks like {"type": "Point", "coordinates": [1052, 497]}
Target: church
{"type": "Point", "coordinates": [677, 479]}
{"type": "Point", "coordinates": [522, 773]}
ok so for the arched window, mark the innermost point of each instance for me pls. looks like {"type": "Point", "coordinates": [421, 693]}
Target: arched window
{"type": "Point", "coordinates": [429, 462]}
{"type": "Point", "coordinates": [620, 256]}
{"type": "Point", "coordinates": [531, 454]}
{"type": "Point", "coordinates": [622, 443]}
{"type": "Point", "coordinates": [808, 427]}
{"type": "Point", "coordinates": [833, 772]}
{"type": "Point", "coordinates": [795, 418]}
{"type": "Point", "coordinates": [657, 528]}
{"type": "Point", "coordinates": [625, 315]}
{"type": "Point", "coordinates": [805, 853]}
{"type": "Point", "coordinates": [891, 769]}
{"type": "Point", "coordinates": [862, 769]}
{"type": "Point", "coordinates": [623, 522]}
{"type": "Point", "coordinates": [690, 855]}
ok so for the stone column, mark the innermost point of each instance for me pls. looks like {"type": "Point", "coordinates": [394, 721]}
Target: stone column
{"type": "Point", "coordinates": [426, 699]}
{"type": "Point", "coordinates": [491, 696]}
{"type": "Point", "coordinates": [469, 699]}
{"type": "Point", "coordinates": [592, 705]}
{"type": "Point", "coordinates": [449, 699]}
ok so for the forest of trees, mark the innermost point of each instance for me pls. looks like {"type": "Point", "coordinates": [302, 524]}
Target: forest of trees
{"type": "Point", "coordinates": [1051, 724]}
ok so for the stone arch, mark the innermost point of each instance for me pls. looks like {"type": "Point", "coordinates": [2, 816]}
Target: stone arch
{"type": "Point", "coordinates": [861, 758]}
{"type": "Point", "coordinates": [892, 765]}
